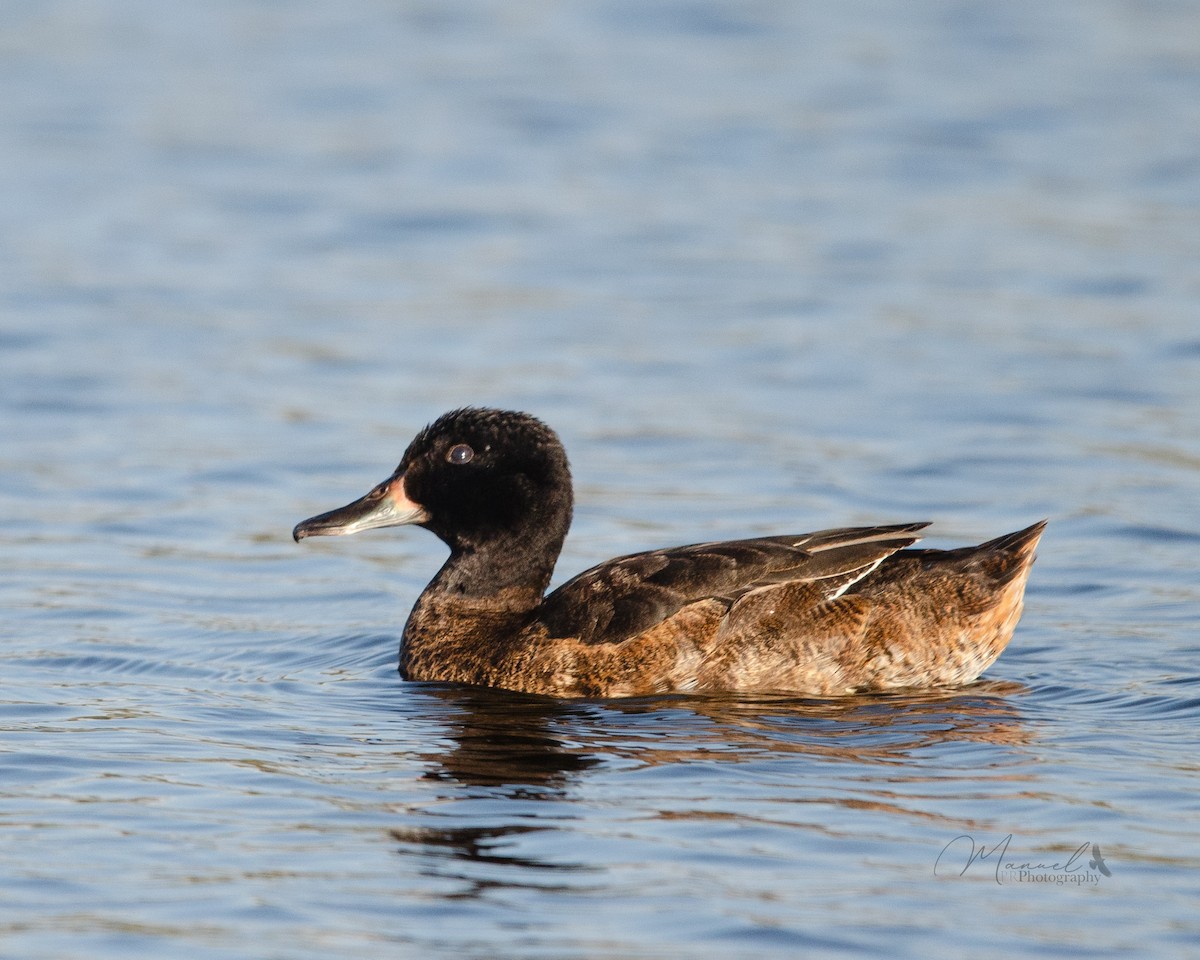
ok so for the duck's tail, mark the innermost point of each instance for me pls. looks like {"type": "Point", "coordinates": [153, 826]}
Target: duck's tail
{"type": "Point", "coordinates": [1010, 557]}
{"type": "Point", "coordinates": [1023, 542]}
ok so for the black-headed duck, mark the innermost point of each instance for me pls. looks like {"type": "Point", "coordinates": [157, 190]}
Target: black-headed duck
{"type": "Point", "coordinates": [817, 614]}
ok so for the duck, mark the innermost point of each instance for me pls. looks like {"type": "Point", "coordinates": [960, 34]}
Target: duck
{"type": "Point", "coordinates": [852, 610]}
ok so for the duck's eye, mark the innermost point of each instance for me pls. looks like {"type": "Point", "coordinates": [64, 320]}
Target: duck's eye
{"type": "Point", "coordinates": [460, 453]}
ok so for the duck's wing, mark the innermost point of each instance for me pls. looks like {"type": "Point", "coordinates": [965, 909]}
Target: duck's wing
{"type": "Point", "coordinates": [623, 597]}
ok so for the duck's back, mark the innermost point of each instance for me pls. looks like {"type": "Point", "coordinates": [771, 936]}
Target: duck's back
{"type": "Point", "coordinates": [621, 598]}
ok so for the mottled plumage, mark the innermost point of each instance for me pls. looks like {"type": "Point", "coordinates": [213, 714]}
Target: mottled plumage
{"type": "Point", "coordinates": [822, 614]}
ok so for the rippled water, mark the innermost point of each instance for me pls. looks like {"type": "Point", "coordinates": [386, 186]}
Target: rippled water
{"type": "Point", "coordinates": [765, 268]}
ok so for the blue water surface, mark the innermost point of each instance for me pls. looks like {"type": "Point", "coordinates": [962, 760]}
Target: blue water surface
{"type": "Point", "coordinates": [766, 268]}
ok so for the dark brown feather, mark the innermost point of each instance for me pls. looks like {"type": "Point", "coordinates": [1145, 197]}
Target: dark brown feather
{"type": "Point", "coordinates": [620, 598]}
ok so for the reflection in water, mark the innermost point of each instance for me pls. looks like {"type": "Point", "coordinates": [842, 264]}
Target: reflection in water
{"type": "Point", "coordinates": [507, 747]}
{"type": "Point", "coordinates": [527, 745]}
{"type": "Point", "coordinates": [508, 741]}
{"type": "Point", "coordinates": [483, 858]}
{"type": "Point", "coordinates": [510, 746]}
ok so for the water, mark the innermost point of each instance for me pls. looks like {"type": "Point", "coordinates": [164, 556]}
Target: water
{"type": "Point", "coordinates": [765, 268]}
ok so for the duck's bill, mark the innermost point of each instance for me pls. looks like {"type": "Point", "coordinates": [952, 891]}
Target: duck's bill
{"type": "Point", "coordinates": [385, 506]}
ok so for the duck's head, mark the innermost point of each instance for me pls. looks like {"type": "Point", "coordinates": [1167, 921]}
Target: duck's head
{"type": "Point", "coordinates": [480, 479]}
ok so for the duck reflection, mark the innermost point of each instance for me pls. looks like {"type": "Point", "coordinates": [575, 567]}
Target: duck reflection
{"type": "Point", "coordinates": [536, 751]}
{"type": "Point", "coordinates": [479, 859]}
{"type": "Point", "coordinates": [514, 743]}
{"type": "Point", "coordinates": [520, 745]}
{"type": "Point", "coordinates": [510, 746]}
{"type": "Point", "coordinates": [872, 729]}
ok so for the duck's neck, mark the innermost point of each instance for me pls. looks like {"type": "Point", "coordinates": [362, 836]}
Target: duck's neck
{"type": "Point", "coordinates": [484, 572]}
{"type": "Point", "coordinates": [517, 553]}
{"type": "Point", "coordinates": [468, 618]}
